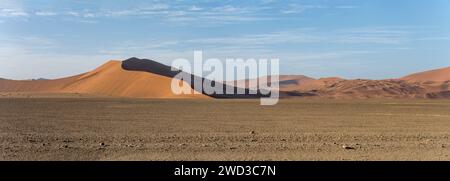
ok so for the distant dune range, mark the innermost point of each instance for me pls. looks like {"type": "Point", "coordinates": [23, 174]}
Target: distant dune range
{"type": "Point", "coordinates": [142, 78]}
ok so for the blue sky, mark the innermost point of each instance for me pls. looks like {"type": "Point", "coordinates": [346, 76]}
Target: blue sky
{"type": "Point", "coordinates": [348, 38]}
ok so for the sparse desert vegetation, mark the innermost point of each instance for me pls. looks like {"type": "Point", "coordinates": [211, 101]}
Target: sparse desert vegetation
{"type": "Point", "coordinates": [205, 129]}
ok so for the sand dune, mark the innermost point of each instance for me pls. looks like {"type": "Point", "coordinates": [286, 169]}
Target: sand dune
{"type": "Point", "coordinates": [429, 84]}
{"type": "Point", "coordinates": [438, 75]}
{"type": "Point", "coordinates": [338, 88]}
{"type": "Point", "coordinates": [109, 79]}
{"type": "Point", "coordinates": [437, 82]}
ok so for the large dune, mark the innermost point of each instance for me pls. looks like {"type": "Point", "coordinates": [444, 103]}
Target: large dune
{"type": "Point", "coordinates": [109, 79]}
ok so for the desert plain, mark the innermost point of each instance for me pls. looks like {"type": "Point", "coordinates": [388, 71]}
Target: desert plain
{"type": "Point", "coordinates": [79, 127]}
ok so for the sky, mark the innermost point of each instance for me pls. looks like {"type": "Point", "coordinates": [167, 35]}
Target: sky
{"type": "Point", "coordinates": [373, 39]}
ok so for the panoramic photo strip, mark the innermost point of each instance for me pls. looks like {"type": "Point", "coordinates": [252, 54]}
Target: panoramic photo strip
{"type": "Point", "coordinates": [224, 88]}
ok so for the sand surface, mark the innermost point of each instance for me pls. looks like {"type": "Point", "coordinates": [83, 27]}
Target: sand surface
{"type": "Point", "coordinates": [161, 129]}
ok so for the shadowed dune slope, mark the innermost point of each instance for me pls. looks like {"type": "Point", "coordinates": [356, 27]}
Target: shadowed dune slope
{"type": "Point", "coordinates": [146, 65]}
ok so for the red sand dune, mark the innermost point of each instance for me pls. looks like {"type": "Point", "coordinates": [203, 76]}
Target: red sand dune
{"type": "Point", "coordinates": [429, 84]}
{"type": "Point", "coordinates": [437, 82]}
{"type": "Point", "coordinates": [438, 75]}
{"type": "Point", "coordinates": [109, 79]}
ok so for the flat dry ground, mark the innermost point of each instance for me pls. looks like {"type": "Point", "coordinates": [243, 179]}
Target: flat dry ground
{"type": "Point", "coordinates": [138, 129]}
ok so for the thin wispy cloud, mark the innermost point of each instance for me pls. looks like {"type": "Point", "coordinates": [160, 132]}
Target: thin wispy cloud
{"type": "Point", "coordinates": [300, 8]}
{"type": "Point", "coordinates": [346, 7]}
{"type": "Point", "coordinates": [45, 13]}
{"type": "Point", "coordinates": [191, 14]}
{"type": "Point", "coordinates": [6, 12]}
{"type": "Point", "coordinates": [367, 35]}
{"type": "Point", "coordinates": [84, 14]}
{"type": "Point", "coordinates": [174, 13]}
{"type": "Point", "coordinates": [300, 36]}
{"type": "Point", "coordinates": [435, 38]}
{"type": "Point", "coordinates": [377, 35]}
{"type": "Point", "coordinates": [195, 8]}
{"type": "Point", "coordinates": [12, 9]}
